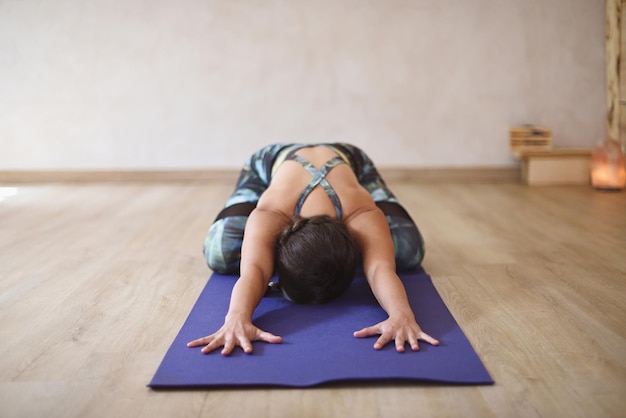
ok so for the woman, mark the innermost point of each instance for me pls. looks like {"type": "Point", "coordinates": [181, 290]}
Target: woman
{"type": "Point", "coordinates": [310, 212]}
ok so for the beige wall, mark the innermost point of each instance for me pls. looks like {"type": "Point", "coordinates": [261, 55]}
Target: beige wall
{"type": "Point", "coordinates": [134, 84]}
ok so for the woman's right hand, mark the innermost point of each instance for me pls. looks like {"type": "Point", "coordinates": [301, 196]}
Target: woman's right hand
{"type": "Point", "coordinates": [234, 333]}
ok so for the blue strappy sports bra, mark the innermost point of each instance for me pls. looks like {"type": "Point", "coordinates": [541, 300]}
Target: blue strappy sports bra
{"type": "Point", "coordinates": [318, 178]}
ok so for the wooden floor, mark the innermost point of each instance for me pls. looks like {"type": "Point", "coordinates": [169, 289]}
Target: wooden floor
{"type": "Point", "coordinates": [96, 281]}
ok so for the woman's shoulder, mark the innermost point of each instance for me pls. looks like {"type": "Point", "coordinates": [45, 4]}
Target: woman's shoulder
{"type": "Point", "coordinates": [355, 200]}
{"type": "Point", "coordinates": [279, 197]}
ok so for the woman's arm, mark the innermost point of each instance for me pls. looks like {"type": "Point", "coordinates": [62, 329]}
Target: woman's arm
{"type": "Point", "coordinates": [371, 230]}
{"type": "Point", "coordinates": [257, 264]}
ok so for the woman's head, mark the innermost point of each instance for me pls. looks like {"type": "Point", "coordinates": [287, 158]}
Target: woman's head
{"type": "Point", "coordinates": [315, 259]}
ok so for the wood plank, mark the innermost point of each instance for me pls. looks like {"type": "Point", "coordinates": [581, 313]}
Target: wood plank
{"type": "Point", "coordinates": [556, 152]}
{"type": "Point", "coordinates": [457, 174]}
{"type": "Point", "coordinates": [622, 71]}
{"type": "Point", "coordinates": [105, 176]}
{"type": "Point", "coordinates": [613, 58]}
{"type": "Point", "coordinates": [97, 279]}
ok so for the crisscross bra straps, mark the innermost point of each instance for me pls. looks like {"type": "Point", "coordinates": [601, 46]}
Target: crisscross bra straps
{"type": "Point", "coordinates": [319, 178]}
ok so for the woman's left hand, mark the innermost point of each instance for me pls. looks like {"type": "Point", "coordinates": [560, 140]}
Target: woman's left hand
{"type": "Point", "coordinates": [401, 329]}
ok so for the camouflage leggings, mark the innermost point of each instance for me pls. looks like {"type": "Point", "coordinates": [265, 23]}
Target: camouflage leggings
{"type": "Point", "coordinates": [222, 246]}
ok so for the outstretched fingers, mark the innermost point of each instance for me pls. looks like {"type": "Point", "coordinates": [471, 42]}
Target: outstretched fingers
{"type": "Point", "coordinates": [229, 341]}
{"type": "Point", "coordinates": [210, 343]}
{"type": "Point", "coordinates": [384, 338]}
{"type": "Point", "coordinates": [229, 346]}
{"type": "Point", "coordinates": [425, 337]}
{"type": "Point", "coordinates": [400, 337]}
{"type": "Point", "coordinates": [368, 332]}
{"type": "Point", "coordinates": [413, 342]}
{"type": "Point", "coordinates": [207, 342]}
{"type": "Point", "coordinates": [198, 342]}
{"type": "Point", "coordinates": [246, 344]}
{"type": "Point", "coordinates": [268, 337]}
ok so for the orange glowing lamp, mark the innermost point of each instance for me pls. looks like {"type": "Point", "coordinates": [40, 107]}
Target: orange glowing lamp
{"type": "Point", "coordinates": [608, 169]}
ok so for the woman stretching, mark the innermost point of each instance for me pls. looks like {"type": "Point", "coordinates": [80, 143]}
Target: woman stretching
{"type": "Point", "coordinates": [311, 213]}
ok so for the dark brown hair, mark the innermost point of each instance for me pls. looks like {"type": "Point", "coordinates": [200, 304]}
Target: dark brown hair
{"type": "Point", "coordinates": [315, 259]}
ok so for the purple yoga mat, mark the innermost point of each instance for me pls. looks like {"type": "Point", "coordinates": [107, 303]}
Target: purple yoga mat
{"type": "Point", "coordinates": [318, 346]}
